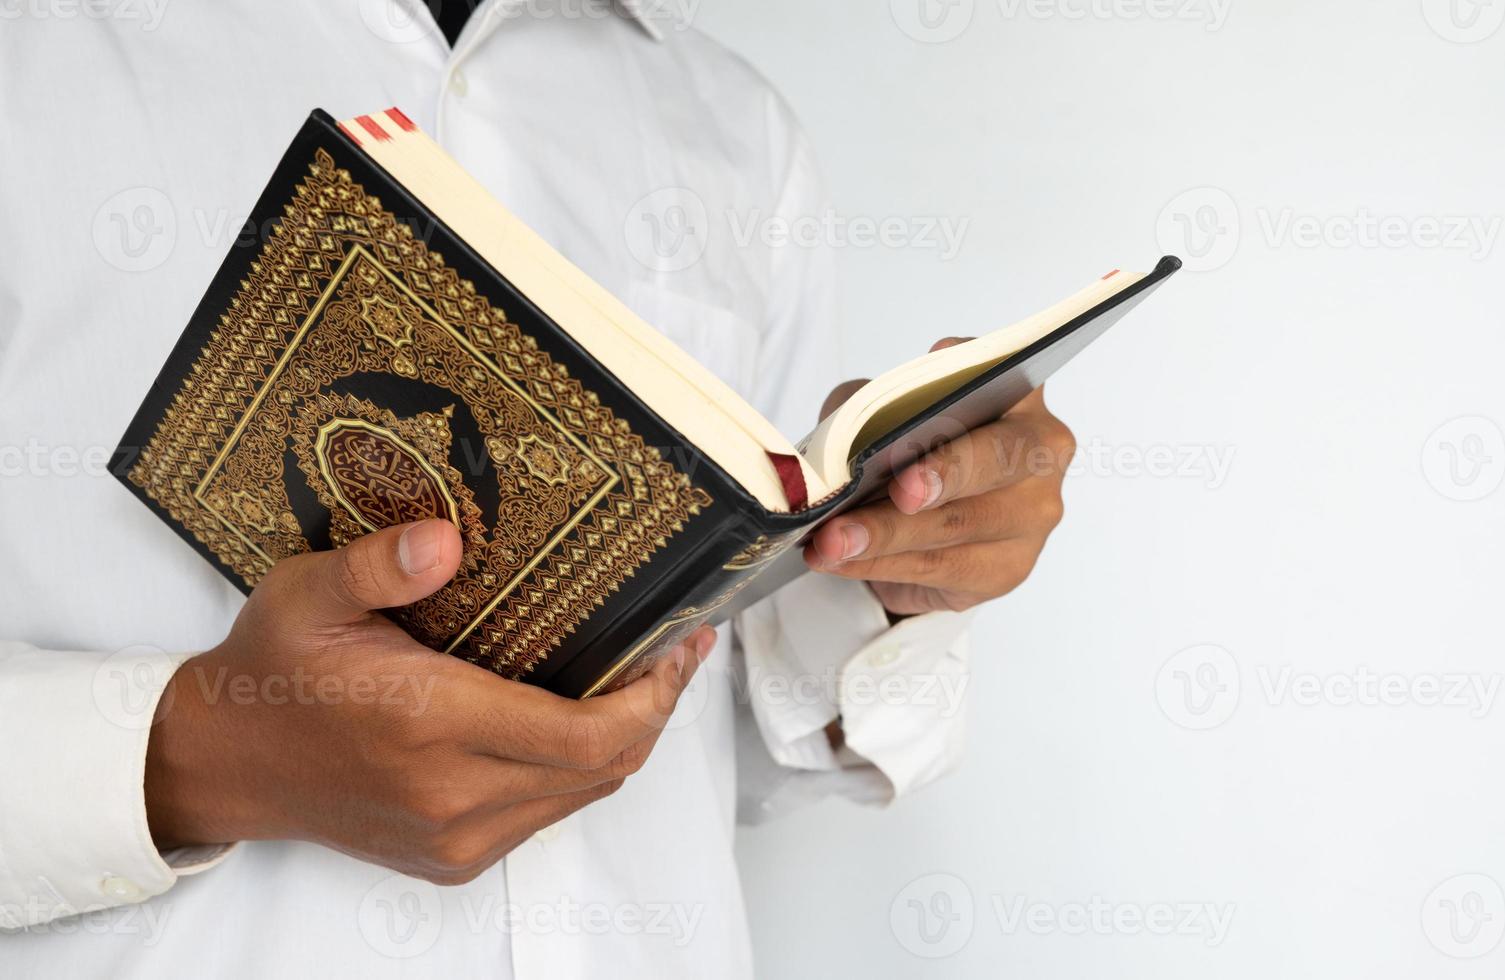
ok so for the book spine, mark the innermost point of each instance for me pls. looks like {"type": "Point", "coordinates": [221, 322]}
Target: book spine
{"type": "Point", "coordinates": [729, 560]}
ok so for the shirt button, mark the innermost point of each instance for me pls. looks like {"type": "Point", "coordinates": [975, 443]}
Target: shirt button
{"type": "Point", "coordinates": [457, 83]}
{"type": "Point", "coordinates": [121, 889]}
{"type": "Point", "coordinates": [883, 656]}
{"type": "Point", "coordinates": [548, 833]}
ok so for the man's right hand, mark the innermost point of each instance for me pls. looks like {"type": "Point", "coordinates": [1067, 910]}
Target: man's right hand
{"type": "Point", "coordinates": [319, 719]}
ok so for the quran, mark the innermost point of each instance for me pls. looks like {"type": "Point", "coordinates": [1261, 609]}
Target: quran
{"type": "Point", "coordinates": [398, 346]}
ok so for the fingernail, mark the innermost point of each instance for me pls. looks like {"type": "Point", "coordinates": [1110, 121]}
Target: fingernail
{"type": "Point", "coordinates": [854, 541]}
{"type": "Point", "coordinates": [704, 646]}
{"type": "Point", "coordinates": [933, 488]}
{"type": "Point", "coordinates": [420, 547]}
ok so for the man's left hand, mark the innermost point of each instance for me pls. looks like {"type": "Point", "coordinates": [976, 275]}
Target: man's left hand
{"type": "Point", "coordinates": [962, 525]}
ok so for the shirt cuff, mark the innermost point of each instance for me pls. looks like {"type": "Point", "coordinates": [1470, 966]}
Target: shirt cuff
{"type": "Point", "coordinates": [823, 650]}
{"type": "Point", "coordinates": [73, 834]}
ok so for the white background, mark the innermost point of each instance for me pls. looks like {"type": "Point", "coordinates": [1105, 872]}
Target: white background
{"type": "Point", "coordinates": [1338, 542]}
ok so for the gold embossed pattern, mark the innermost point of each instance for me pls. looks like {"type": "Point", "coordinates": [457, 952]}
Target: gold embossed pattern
{"type": "Point", "coordinates": [342, 288]}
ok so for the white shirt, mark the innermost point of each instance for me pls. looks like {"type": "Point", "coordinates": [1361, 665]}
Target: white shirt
{"type": "Point", "coordinates": [134, 144]}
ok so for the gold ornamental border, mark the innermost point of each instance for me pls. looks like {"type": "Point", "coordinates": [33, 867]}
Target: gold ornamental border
{"type": "Point", "coordinates": [357, 252]}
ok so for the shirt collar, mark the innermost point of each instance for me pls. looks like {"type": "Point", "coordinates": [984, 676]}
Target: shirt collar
{"type": "Point", "coordinates": [648, 14]}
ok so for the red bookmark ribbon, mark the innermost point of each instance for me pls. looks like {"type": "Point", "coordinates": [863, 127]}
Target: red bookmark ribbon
{"type": "Point", "coordinates": [792, 476]}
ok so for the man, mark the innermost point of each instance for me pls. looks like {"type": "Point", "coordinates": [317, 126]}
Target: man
{"type": "Point", "coordinates": [150, 721]}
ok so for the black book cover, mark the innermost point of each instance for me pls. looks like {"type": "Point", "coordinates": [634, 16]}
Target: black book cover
{"type": "Point", "coordinates": [360, 366]}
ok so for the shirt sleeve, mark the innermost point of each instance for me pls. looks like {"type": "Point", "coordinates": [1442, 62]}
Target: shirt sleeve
{"type": "Point", "coordinates": [823, 650]}
{"type": "Point", "coordinates": [73, 831]}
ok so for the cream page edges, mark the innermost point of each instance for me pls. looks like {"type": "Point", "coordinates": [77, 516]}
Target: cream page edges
{"type": "Point", "coordinates": [892, 398]}
{"type": "Point", "coordinates": [703, 408]}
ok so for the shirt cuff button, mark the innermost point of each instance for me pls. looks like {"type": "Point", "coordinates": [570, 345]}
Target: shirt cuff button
{"type": "Point", "coordinates": [884, 656]}
{"type": "Point", "coordinates": [121, 889]}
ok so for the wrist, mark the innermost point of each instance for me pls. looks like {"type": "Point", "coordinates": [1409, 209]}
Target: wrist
{"type": "Point", "coordinates": [186, 802]}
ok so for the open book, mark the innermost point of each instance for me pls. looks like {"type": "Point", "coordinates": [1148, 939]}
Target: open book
{"type": "Point", "coordinates": [400, 346]}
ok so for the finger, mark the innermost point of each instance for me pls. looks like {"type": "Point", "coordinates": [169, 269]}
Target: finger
{"type": "Point", "coordinates": [1026, 443]}
{"type": "Point", "coordinates": [904, 599]}
{"type": "Point", "coordinates": [519, 782]}
{"type": "Point", "coordinates": [982, 570]}
{"type": "Point", "coordinates": [839, 395]}
{"type": "Point", "coordinates": [532, 725]}
{"type": "Point", "coordinates": [480, 841]}
{"type": "Point", "coordinates": [640, 709]}
{"type": "Point", "coordinates": [392, 567]}
{"type": "Point", "coordinates": [1029, 509]}
{"type": "Point", "coordinates": [945, 342]}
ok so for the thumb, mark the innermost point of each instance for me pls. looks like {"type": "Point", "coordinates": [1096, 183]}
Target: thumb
{"type": "Point", "coordinates": [393, 567]}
